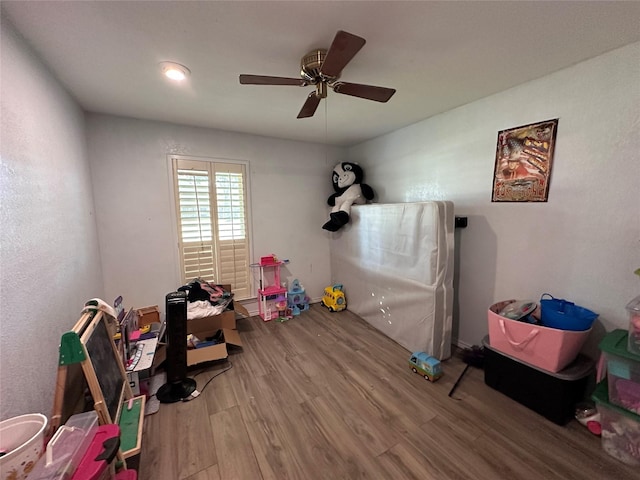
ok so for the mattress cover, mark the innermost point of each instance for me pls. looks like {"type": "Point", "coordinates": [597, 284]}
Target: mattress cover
{"type": "Point", "coordinates": [395, 262]}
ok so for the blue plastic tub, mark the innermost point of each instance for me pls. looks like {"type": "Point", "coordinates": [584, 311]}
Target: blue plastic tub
{"type": "Point", "coordinates": [564, 315]}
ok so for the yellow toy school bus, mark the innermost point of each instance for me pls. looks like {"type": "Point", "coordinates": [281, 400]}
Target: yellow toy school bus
{"type": "Point", "coordinates": [334, 298]}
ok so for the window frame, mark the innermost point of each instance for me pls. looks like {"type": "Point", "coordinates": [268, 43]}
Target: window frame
{"type": "Point", "coordinates": [175, 215]}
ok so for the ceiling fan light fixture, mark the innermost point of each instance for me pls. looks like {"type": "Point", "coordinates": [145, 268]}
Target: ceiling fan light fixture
{"type": "Point", "coordinates": [174, 71]}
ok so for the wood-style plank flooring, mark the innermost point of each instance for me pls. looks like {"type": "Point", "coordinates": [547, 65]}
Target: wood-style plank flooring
{"type": "Point", "coordinates": [326, 396]}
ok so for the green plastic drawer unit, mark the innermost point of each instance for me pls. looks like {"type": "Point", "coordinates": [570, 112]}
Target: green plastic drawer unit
{"type": "Point", "coordinates": [620, 428]}
{"type": "Point", "coordinates": [623, 371]}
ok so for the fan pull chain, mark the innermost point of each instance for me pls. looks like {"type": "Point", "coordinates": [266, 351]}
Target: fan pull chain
{"type": "Point", "coordinates": [326, 132]}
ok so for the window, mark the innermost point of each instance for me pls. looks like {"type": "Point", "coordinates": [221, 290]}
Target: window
{"type": "Point", "coordinates": [212, 216]}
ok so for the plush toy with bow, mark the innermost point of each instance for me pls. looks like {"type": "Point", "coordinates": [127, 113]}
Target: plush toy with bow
{"type": "Point", "coordinates": [347, 182]}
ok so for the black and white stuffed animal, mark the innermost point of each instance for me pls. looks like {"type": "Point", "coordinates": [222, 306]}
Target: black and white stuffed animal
{"type": "Point", "coordinates": [347, 182]}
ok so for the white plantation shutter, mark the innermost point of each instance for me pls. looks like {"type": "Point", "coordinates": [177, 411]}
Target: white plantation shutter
{"type": "Point", "coordinates": [195, 226]}
{"type": "Point", "coordinates": [231, 210]}
{"type": "Point", "coordinates": [211, 201]}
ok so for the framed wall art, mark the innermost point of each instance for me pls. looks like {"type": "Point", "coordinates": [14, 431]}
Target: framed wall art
{"type": "Point", "coordinates": [524, 158]}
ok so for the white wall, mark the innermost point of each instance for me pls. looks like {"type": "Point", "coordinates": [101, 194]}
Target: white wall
{"type": "Point", "coordinates": [49, 255]}
{"type": "Point", "coordinates": [290, 182]}
{"type": "Point", "coordinates": [584, 243]}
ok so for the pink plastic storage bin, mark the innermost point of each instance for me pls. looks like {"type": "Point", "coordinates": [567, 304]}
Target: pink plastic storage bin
{"type": "Point", "coordinates": [547, 348]}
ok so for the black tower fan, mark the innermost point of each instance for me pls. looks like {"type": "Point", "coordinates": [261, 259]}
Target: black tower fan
{"type": "Point", "coordinates": [178, 386]}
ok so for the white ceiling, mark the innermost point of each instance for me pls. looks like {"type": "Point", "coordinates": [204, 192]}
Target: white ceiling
{"type": "Point", "coordinates": [437, 55]}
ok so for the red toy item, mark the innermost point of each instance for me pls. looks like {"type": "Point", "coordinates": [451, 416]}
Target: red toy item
{"type": "Point", "coordinates": [268, 260]}
{"type": "Point", "coordinates": [100, 455]}
{"type": "Point", "coordinates": [594, 427]}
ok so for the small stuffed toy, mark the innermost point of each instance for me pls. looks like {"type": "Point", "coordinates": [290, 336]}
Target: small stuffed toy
{"type": "Point", "coordinates": [347, 182]}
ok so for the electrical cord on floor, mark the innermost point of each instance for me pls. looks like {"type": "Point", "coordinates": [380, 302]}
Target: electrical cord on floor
{"type": "Point", "coordinates": [473, 357]}
{"type": "Point", "coordinates": [198, 373]}
{"type": "Point", "coordinates": [194, 395]}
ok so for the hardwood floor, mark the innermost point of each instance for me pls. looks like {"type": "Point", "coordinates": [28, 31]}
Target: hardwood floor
{"type": "Point", "coordinates": [326, 396]}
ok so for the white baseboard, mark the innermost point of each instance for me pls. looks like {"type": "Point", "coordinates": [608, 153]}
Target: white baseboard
{"type": "Point", "coordinates": [252, 305]}
{"type": "Point", "coordinates": [461, 344]}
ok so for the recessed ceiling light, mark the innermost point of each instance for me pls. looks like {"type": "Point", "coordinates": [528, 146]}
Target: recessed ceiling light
{"type": "Point", "coordinates": [174, 71]}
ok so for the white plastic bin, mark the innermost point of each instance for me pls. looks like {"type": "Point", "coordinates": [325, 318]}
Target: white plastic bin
{"type": "Point", "coordinates": [22, 438]}
{"type": "Point", "coordinates": [65, 450]}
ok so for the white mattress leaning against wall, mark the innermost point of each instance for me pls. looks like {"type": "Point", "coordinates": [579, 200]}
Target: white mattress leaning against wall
{"type": "Point", "coordinates": [396, 264]}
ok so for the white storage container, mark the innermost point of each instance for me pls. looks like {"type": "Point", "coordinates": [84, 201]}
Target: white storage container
{"type": "Point", "coordinates": [67, 447]}
{"type": "Point", "coordinates": [22, 438]}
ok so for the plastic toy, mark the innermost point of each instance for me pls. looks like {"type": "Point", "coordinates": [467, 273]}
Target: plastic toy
{"type": "Point", "coordinates": [281, 302]}
{"type": "Point", "coordinates": [281, 305]}
{"type": "Point", "coordinates": [268, 260]}
{"type": "Point", "coordinates": [270, 289]}
{"type": "Point", "coordinates": [426, 365]}
{"type": "Point", "coordinates": [334, 298]}
{"type": "Point", "coordinates": [296, 297]}
{"type": "Point", "coordinates": [588, 416]}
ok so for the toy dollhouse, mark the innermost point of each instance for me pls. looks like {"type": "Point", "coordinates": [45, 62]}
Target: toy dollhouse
{"type": "Point", "coordinates": [270, 290]}
{"type": "Point", "coordinates": [297, 299]}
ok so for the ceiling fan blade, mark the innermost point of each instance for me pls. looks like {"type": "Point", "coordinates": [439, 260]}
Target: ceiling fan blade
{"type": "Point", "coordinates": [370, 92]}
{"type": "Point", "coordinates": [344, 47]}
{"type": "Point", "coordinates": [310, 106]}
{"type": "Point", "coordinates": [267, 80]}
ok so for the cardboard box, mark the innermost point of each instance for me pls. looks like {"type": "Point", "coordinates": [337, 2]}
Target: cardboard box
{"type": "Point", "coordinates": [148, 315]}
{"type": "Point", "coordinates": [209, 326]}
{"type": "Point", "coordinates": [214, 352]}
{"type": "Point", "coordinates": [239, 308]}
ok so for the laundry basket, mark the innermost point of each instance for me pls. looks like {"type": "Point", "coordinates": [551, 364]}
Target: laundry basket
{"type": "Point", "coordinates": [22, 438]}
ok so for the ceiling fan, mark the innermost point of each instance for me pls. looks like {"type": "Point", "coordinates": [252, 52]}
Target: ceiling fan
{"type": "Point", "coordinates": [322, 68]}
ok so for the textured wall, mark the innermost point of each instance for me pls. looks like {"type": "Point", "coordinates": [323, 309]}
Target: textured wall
{"type": "Point", "coordinates": [49, 256]}
{"type": "Point", "coordinates": [289, 184]}
{"type": "Point", "coordinates": [584, 243]}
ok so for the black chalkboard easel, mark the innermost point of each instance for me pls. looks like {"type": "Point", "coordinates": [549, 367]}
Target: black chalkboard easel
{"type": "Point", "coordinates": [104, 370]}
{"type": "Point", "coordinates": [90, 346]}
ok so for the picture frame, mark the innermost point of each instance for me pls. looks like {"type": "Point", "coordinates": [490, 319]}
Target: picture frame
{"type": "Point", "coordinates": [523, 162]}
